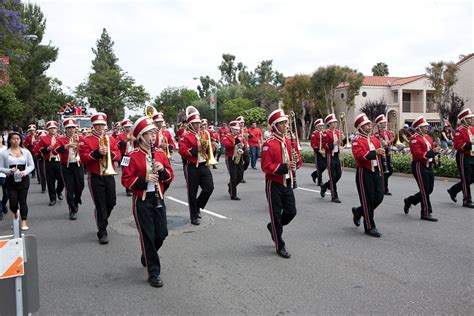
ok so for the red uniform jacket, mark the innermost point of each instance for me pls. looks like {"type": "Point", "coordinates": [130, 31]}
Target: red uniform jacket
{"type": "Point", "coordinates": [42, 145]}
{"type": "Point", "coordinates": [387, 136]}
{"type": "Point", "coordinates": [188, 147]}
{"type": "Point", "coordinates": [121, 142]}
{"type": "Point", "coordinates": [316, 139]}
{"type": "Point", "coordinates": [329, 140]}
{"type": "Point", "coordinates": [169, 138]}
{"type": "Point", "coordinates": [63, 153]}
{"type": "Point", "coordinates": [363, 154]}
{"type": "Point", "coordinates": [179, 133]}
{"type": "Point", "coordinates": [462, 139]}
{"type": "Point", "coordinates": [136, 169]}
{"type": "Point", "coordinates": [90, 155]}
{"type": "Point", "coordinates": [420, 150]}
{"type": "Point", "coordinates": [272, 158]}
{"type": "Point", "coordinates": [29, 142]}
{"type": "Point", "coordinates": [228, 142]}
{"type": "Point", "coordinates": [222, 132]}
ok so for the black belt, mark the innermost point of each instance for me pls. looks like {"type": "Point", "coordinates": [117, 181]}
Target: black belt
{"type": "Point", "coordinates": [52, 160]}
{"type": "Point", "coordinates": [19, 167]}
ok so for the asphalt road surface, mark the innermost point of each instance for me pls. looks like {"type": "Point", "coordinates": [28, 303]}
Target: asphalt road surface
{"type": "Point", "coordinates": [228, 265]}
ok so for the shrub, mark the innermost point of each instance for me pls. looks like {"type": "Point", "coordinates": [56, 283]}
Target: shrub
{"type": "Point", "coordinates": [401, 163]}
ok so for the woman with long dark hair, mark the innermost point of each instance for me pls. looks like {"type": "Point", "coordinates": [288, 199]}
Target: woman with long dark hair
{"type": "Point", "coordinates": [17, 163]}
{"type": "Point", "coordinates": [3, 204]}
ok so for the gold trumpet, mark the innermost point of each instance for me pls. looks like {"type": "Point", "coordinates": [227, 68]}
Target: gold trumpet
{"type": "Point", "coordinates": [206, 148]}
{"type": "Point", "coordinates": [74, 140]}
{"type": "Point", "coordinates": [106, 166]}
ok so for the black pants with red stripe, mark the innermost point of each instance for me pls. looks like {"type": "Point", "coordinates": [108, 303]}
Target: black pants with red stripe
{"type": "Point", "coordinates": [153, 229]}
{"type": "Point", "coordinates": [424, 177]}
{"type": "Point", "coordinates": [466, 171]}
{"type": "Point", "coordinates": [321, 165]}
{"type": "Point", "coordinates": [53, 176]}
{"type": "Point", "coordinates": [334, 172]}
{"type": "Point", "coordinates": [236, 173]}
{"type": "Point", "coordinates": [387, 175]}
{"type": "Point", "coordinates": [369, 187]}
{"type": "Point", "coordinates": [200, 176]}
{"type": "Point", "coordinates": [73, 176]}
{"type": "Point", "coordinates": [41, 174]}
{"type": "Point", "coordinates": [102, 189]}
{"type": "Point", "coordinates": [282, 208]}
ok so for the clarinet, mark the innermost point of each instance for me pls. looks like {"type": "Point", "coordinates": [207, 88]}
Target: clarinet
{"type": "Point", "coordinates": [158, 194]}
{"type": "Point", "coordinates": [384, 159]}
{"type": "Point", "coordinates": [294, 157]}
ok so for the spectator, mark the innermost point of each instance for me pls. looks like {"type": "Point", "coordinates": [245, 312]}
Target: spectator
{"type": "Point", "coordinates": [255, 141]}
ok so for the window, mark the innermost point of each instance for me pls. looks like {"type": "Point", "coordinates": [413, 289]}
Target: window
{"type": "Point", "coordinates": [364, 94]}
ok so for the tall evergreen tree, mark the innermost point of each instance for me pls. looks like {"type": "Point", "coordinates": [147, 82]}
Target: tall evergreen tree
{"type": "Point", "coordinates": [108, 88]}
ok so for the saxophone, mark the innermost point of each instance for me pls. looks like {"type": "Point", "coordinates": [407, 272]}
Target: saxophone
{"type": "Point", "coordinates": [238, 152]}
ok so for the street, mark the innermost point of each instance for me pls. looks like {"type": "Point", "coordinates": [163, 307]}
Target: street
{"type": "Point", "coordinates": [228, 264]}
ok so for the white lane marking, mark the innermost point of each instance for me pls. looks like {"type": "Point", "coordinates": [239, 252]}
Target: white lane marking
{"type": "Point", "coordinates": [204, 210]}
{"type": "Point", "coordinates": [329, 192]}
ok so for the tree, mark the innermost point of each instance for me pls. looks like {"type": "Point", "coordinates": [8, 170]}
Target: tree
{"type": "Point", "coordinates": [108, 88]}
{"type": "Point", "coordinates": [443, 76]}
{"type": "Point", "coordinates": [450, 113]}
{"type": "Point", "coordinates": [207, 84]}
{"type": "Point", "coordinates": [255, 114]}
{"type": "Point", "coordinates": [380, 69]}
{"type": "Point", "coordinates": [298, 97]}
{"type": "Point", "coordinates": [10, 107]}
{"type": "Point", "coordinates": [374, 108]}
{"type": "Point", "coordinates": [228, 69]}
{"type": "Point", "coordinates": [172, 101]}
{"type": "Point", "coordinates": [324, 82]}
{"type": "Point", "coordinates": [234, 108]}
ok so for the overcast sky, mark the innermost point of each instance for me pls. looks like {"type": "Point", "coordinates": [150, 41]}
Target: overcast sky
{"type": "Point", "coordinates": [167, 43]}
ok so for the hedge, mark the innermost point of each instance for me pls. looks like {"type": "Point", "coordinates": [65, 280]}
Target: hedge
{"type": "Point", "coordinates": [401, 163]}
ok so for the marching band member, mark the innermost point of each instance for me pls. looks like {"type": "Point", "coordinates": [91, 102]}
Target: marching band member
{"type": "Point", "coordinates": [117, 130]}
{"type": "Point", "coordinates": [126, 142]}
{"type": "Point", "coordinates": [332, 144]}
{"type": "Point", "coordinates": [423, 154]}
{"type": "Point", "coordinates": [164, 140]}
{"type": "Point", "coordinates": [95, 151]}
{"type": "Point", "coordinates": [196, 172]}
{"type": "Point", "coordinates": [367, 152]}
{"type": "Point", "coordinates": [278, 164]}
{"type": "Point", "coordinates": [181, 130]}
{"type": "Point", "coordinates": [387, 141]}
{"type": "Point", "coordinates": [214, 138]}
{"type": "Point", "coordinates": [149, 209]}
{"type": "Point", "coordinates": [46, 145]}
{"type": "Point", "coordinates": [245, 136]}
{"type": "Point", "coordinates": [40, 161]}
{"type": "Point", "coordinates": [29, 144]}
{"type": "Point", "coordinates": [233, 144]}
{"type": "Point", "coordinates": [319, 153]}
{"type": "Point", "coordinates": [463, 143]}
{"type": "Point", "coordinates": [72, 172]}
{"type": "Point", "coordinates": [221, 132]}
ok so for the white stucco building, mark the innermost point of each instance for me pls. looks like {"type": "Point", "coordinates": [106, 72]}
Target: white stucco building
{"type": "Point", "coordinates": [464, 87]}
{"type": "Point", "coordinates": [406, 99]}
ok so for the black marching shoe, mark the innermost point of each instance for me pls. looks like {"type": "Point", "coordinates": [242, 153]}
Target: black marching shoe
{"type": "Point", "coordinates": [1, 216]}
{"type": "Point", "coordinates": [452, 196]}
{"type": "Point", "coordinates": [43, 191]}
{"type": "Point", "coordinates": [52, 203]}
{"type": "Point", "coordinates": [269, 227]}
{"type": "Point", "coordinates": [335, 200]}
{"type": "Point", "coordinates": [406, 207]}
{"type": "Point", "coordinates": [356, 218]}
{"type": "Point", "coordinates": [214, 167]}
{"type": "Point", "coordinates": [72, 216]}
{"type": "Point", "coordinates": [103, 240]}
{"type": "Point", "coordinates": [142, 260]}
{"type": "Point", "coordinates": [319, 184]}
{"type": "Point", "coordinates": [323, 190]}
{"type": "Point", "coordinates": [373, 232]}
{"type": "Point", "coordinates": [468, 205]}
{"type": "Point", "coordinates": [314, 175]}
{"type": "Point", "coordinates": [284, 253]}
{"type": "Point", "coordinates": [60, 196]}
{"type": "Point", "coordinates": [195, 221]}
{"type": "Point", "coordinates": [129, 193]}
{"type": "Point", "coordinates": [387, 193]}
{"type": "Point", "coordinates": [428, 218]}
{"type": "Point", "coordinates": [235, 198]}
{"type": "Point", "coordinates": [243, 181]}
{"type": "Point", "coordinates": [155, 281]}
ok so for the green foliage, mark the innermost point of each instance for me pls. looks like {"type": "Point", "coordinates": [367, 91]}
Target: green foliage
{"type": "Point", "coordinates": [401, 163]}
{"type": "Point", "coordinates": [443, 76]}
{"type": "Point", "coordinates": [10, 106]}
{"type": "Point", "coordinates": [108, 88]}
{"type": "Point", "coordinates": [235, 107]}
{"type": "Point", "coordinates": [255, 114]}
{"type": "Point", "coordinates": [173, 101]}
{"type": "Point", "coordinates": [380, 69]}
